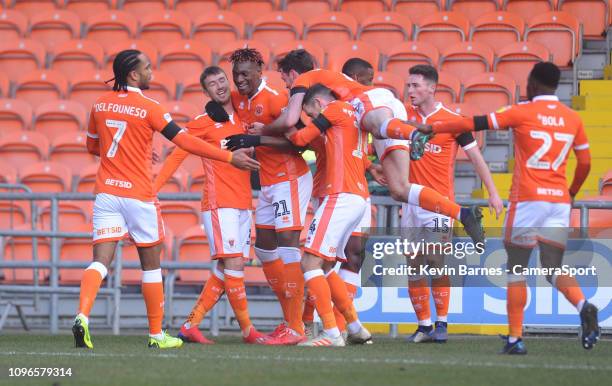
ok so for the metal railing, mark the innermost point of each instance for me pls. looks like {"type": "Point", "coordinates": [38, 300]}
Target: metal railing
{"type": "Point", "coordinates": [387, 213]}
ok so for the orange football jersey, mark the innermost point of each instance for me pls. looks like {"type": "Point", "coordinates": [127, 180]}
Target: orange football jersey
{"type": "Point", "coordinates": [345, 87]}
{"type": "Point", "coordinates": [125, 122]}
{"type": "Point", "coordinates": [345, 149]}
{"type": "Point", "coordinates": [436, 169]}
{"type": "Point", "coordinates": [545, 130]}
{"type": "Point", "coordinates": [264, 107]}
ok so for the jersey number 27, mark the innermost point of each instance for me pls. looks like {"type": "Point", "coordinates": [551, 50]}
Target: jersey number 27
{"type": "Point", "coordinates": [535, 161]}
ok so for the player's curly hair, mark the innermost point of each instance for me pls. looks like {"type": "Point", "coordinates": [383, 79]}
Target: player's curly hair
{"type": "Point", "coordinates": [247, 54]}
{"type": "Point", "coordinates": [125, 62]}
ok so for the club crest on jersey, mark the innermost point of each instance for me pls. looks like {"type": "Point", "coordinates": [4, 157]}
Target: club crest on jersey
{"type": "Point", "coordinates": [549, 120]}
{"type": "Point", "coordinates": [259, 110]}
{"type": "Point", "coordinates": [241, 105]}
{"type": "Point", "coordinates": [231, 242]}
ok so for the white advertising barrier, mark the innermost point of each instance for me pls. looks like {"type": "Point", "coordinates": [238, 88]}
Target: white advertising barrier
{"type": "Point", "coordinates": [483, 300]}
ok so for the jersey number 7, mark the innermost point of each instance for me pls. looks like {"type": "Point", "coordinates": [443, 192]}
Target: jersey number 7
{"type": "Point", "coordinates": [120, 126]}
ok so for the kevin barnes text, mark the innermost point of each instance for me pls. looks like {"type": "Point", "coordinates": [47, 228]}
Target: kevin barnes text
{"type": "Point", "coordinates": [466, 270]}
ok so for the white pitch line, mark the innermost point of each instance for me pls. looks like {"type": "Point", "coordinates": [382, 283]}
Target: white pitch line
{"type": "Point", "coordinates": [322, 359]}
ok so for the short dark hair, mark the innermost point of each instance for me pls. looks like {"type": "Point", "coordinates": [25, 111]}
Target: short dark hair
{"type": "Point", "coordinates": [298, 60]}
{"type": "Point", "coordinates": [247, 55]}
{"type": "Point", "coordinates": [355, 65]}
{"type": "Point", "coordinates": [208, 71]}
{"type": "Point", "coordinates": [125, 62]}
{"type": "Point", "coordinates": [546, 73]}
{"type": "Point", "coordinates": [316, 90]}
{"type": "Point", "coordinates": [428, 72]}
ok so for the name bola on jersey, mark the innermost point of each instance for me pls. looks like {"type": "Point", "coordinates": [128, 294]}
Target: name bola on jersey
{"type": "Point", "coordinates": [134, 111]}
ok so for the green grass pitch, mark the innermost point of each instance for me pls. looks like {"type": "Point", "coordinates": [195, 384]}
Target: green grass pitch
{"type": "Point", "coordinates": [464, 360]}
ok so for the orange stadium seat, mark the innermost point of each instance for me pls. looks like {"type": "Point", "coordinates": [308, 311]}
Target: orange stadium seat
{"type": "Point", "coordinates": [560, 32]}
{"type": "Point", "coordinates": [70, 149]}
{"type": "Point", "coordinates": [448, 89]}
{"type": "Point", "coordinates": [193, 94]}
{"type": "Point", "coordinates": [344, 51]}
{"type": "Point", "coordinates": [74, 249]}
{"type": "Point", "coordinates": [276, 28]}
{"type": "Point", "coordinates": [405, 55]}
{"type": "Point", "coordinates": [15, 115]}
{"type": "Point", "coordinates": [32, 7]}
{"type": "Point", "coordinates": [75, 56]}
{"type": "Point", "coordinates": [228, 49]}
{"type": "Point", "coordinates": [606, 184]}
{"type": "Point", "coordinates": [40, 86]}
{"type": "Point", "coordinates": [8, 175]}
{"type": "Point", "coordinates": [20, 56]}
{"type": "Point", "coordinates": [599, 219]}
{"type": "Point", "coordinates": [528, 8]}
{"type": "Point", "coordinates": [489, 91]}
{"type": "Point", "coordinates": [137, 44]}
{"type": "Point", "coordinates": [13, 25]}
{"type": "Point", "coordinates": [498, 29]}
{"type": "Point", "coordinates": [466, 59]}
{"type": "Point", "coordinates": [23, 147]}
{"type": "Point", "coordinates": [13, 213]}
{"type": "Point", "coordinates": [22, 248]}
{"type": "Point", "coordinates": [129, 253]}
{"type": "Point", "coordinates": [46, 177]}
{"type": "Point", "coordinates": [180, 215]}
{"type": "Point", "coordinates": [330, 29]}
{"type": "Point", "coordinates": [218, 28]}
{"type": "Point", "coordinates": [517, 59]}
{"type": "Point", "coordinates": [87, 179]}
{"type": "Point", "coordinates": [392, 81]}
{"type": "Point", "coordinates": [309, 8]}
{"type": "Point", "coordinates": [71, 215]}
{"type": "Point", "coordinates": [313, 48]}
{"type": "Point", "coordinates": [140, 8]}
{"type": "Point", "coordinates": [182, 112]}
{"type": "Point", "coordinates": [87, 8]}
{"type": "Point", "coordinates": [162, 87]}
{"type": "Point", "coordinates": [5, 85]}
{"type": "Point", "coordinates": [473, 9]}
{"type": "Point", "coordinates": [593, 14]}
{"type": "Point", "coordinates": [193, 247]}
{"type": "Point", "coordinates": [251, 9]}
{"type": "Point", "coordinates": [197, 178]}
{"type": "Point", "coordinates": [54, 27]}
{"type": "Point", "coordinates": [443, 29]}
{"type": "Point", "coordinates": [274, 79]}
{"type": "Point", "coordinates": [164, 27]}
{"type": "Point", "coordinates": [416, 10]}
{"type": "Point", "coordinates": [385, 30]}
{"type": "Point", "coordinates": [198, 7]}
{"type": "Point", "coordinates": [176, 183]}
{"type": "Point", "coordinates": [87, 86]}
{"type": "Point", "coordinates": [185, 59]}
{"type": "Point", "coordinates": [465, 109]}
{"type": "Point", "coordinates": [361, 9]}
{"type": "Point", "coordinates": [110, 28]}
{"type": "Point", "coordinates": [57, 117]}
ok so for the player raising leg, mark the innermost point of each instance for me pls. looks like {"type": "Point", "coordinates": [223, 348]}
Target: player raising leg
{"type": "Point", "coordinates": [121, 127]}
{"type": "Point", "coordinates": [540, 201]}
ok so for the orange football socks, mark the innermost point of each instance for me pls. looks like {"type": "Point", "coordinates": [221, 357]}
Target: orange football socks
{"type": "Point", "coordinates": [90, 284]}
{"type": "Point", "coordinates": [433, 201]}
{"type": "Point", "coordinates": [294, 290]}
{"type": "Point", "coordinates": [515, 304]}
{"type": "Point", "coordinates": [236, 294]}
{"type": "Point", "coordinates": [318, 287]}
{"type": "Point", "coordinates": [419, 296]}
{"type": "Point", "coordinates": [274, 270]}
{"type": "Point", "coordinates": [153, 293]}
{"type": "Point", "coordinates": [440, 289]}
{"type": "Point", "coordinates": [570, 288]}
{"type": "Point", "coordinates": [209, 296]}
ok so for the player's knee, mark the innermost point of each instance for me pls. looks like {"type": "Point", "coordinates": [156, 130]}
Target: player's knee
{"type": "Point", "coordinates": [288, 239]}
{"type": "Point", "coordinates": [353, 263]}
